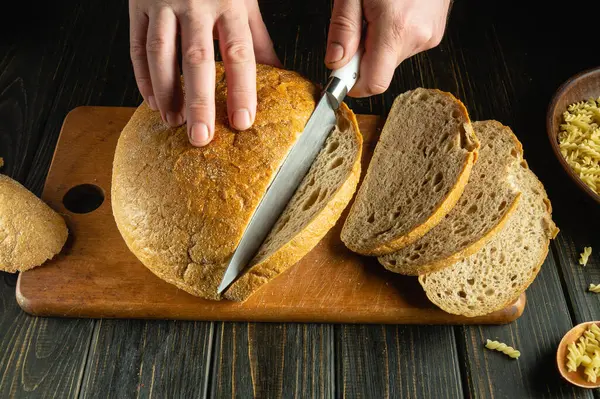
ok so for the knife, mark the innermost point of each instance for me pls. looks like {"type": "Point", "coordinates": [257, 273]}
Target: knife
{"type": "Point", "coordinates": [293, 169]}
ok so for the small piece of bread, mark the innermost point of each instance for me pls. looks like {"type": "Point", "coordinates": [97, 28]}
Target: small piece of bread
{"type": "Point", "coordinates": [182, 210]}
{"type": "Point", "coordinates": [486, 204]}
{"type": "Point", "coordinates": [30, 231]}
{"type": "Point", "coordinates": [496, 275]}
{"type": "Point", "coordinates": [419, 169]}
{"type": "Point", "coordinates": [314, 209]}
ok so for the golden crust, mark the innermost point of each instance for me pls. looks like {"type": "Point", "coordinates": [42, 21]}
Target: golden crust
{"type": "Point", "coordinates": [182, 210]}
{"type": "Point", "coordinates": [309, 236]}
{"type": "Point", "coordinates": [30, 231]}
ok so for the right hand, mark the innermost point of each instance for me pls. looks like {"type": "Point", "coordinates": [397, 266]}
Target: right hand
{"type": "Point", "coordinates": [243, 41]}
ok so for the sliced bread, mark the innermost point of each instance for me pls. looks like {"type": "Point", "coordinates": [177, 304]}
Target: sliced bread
{"type": "Point", "coordinates": [496, 275]}
{"type": "Point", "coordinates": [419, 170]}
{"type": "Point", "coordinates": [486, 204]}
{"type": "Point", "coordinates": [316, 206]}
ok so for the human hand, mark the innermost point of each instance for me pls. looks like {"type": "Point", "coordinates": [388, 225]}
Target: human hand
{"type": "Point", "coordinates": [243, 41]}
{"type": "Point", "coordinates": [395, 31]}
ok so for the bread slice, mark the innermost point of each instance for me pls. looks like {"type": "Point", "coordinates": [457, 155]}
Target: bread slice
{"type": "Point", "coordinates": [316, 206]}
{"type": "Point", "coordinates": [419, 170]}
{"type": "Point", "coordinates": [488, 201]}
{"type": "Point", "coordinates": [182, 210]}
{"type": "Point", "coordinates": [496, 275]}
{"type": "Point", "coordinates": [30, 231]}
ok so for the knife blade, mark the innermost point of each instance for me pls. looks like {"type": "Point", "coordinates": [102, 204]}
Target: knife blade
{"type": "Point", "coordinates": [293, 169]}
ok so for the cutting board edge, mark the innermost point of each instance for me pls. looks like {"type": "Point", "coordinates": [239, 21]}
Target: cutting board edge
{"type": "Point", "coordinates": [429, 316]}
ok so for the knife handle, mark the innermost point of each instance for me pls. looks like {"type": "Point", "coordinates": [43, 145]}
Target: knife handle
{"type": "Point", "coordinates": [342, 80]}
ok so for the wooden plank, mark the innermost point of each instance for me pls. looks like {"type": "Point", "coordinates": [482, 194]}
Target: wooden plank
{"type": "Point", "coordinates": [38, 357]}
{"type": "Point", "coordinates": [536, 334]}
{"type": "Point", "coordinates": [164, 359]}
{"type": "Point", "coordinates": [396, 362]}
{"type": "Point", "coordinates": [273, 360]}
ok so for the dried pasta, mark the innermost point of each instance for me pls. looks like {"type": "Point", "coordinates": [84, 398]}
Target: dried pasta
{"type": "Point", "coordinates": [585, 352]}
{"type": "Point", "coordinates": [585, 255]}
{"type": "Point", "coordinates": [502, 347]}
{"type": "Point", "coordinates": [579, 141]}
{"type": "Point", "coordinates": [594, 288]}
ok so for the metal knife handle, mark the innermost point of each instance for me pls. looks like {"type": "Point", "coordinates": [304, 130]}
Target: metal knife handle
{"type": "Point", "coordinates": [342, 80]}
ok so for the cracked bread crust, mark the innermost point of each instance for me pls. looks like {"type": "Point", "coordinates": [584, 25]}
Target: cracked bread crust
{"type": "Point", "coordinates": [182, 210]}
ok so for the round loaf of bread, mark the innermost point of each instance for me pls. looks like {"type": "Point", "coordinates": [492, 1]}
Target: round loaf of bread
{"type": "Point", "coordinates": [182, 210]}
{"type": "Point", "coordinates": [30, 231]}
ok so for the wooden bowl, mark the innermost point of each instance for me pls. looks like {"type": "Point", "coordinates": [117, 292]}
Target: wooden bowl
{"type": "Point", "coordinates": [580, 87]}
{"type": "Point", "coordinates": [574, 377]}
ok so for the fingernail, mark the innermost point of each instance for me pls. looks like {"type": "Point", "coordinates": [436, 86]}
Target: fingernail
{"type": "Point", "coordinates": [241, 119]}
{"type": "Point", "coordinates": [152, 103]}
{"type": "Point", "coordinates": [335, 52]}
{"type": "Point", "coordinates": [174, 119]}
{"type": "Point", "coordinates": [199, 134]}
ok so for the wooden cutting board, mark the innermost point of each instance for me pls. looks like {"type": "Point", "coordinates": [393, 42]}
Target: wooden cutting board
{"type": "Point", "coordinates": [97, 276]}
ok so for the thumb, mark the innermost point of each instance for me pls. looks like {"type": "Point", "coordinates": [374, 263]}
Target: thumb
{"type": "Point", "coordinates": [344, 32]}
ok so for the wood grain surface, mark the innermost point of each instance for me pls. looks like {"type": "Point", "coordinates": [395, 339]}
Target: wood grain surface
{"type": "Point", "coordinates": [97, 276]}
{"type": "Point", "coordinates": [504, 59]}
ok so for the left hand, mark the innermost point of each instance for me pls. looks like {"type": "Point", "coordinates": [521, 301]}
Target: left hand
{"type": "Point", "coordinates": [395, 31]}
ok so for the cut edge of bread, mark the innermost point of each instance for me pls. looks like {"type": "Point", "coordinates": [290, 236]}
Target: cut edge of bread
{"type": "Point", "coordinates": [552, 231]}
{"type": "Point", "coordinates": [260, 274]}
{"type": "Point", "coordinates": [472, 146]}
{"type": "Point", "coordinates": [473, 248]}
{"type": "Point", "coordinates": [478, 244]}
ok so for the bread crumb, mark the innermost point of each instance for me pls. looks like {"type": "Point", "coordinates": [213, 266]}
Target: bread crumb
{"type": "Point", "coordinates": [585, 255]}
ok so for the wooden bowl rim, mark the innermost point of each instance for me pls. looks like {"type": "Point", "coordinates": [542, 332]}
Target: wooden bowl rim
{"type": "Point", "coordinates": [553, 130]}
{"type": "Point", "coordinates": [561, 356]}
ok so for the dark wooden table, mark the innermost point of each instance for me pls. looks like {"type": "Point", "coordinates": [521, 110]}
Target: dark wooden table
{"type": "Point", "coordinates": [503, 59]}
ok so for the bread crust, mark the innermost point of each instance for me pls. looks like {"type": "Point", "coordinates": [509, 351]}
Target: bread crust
{"type": "Point", "coordinates": [30, 231]}
{"type": "Point", "coordinates": [309, 237]}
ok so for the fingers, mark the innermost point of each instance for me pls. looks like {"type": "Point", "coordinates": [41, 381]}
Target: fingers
{"type": "Point", "coordinates": [263, 46]}
{"type": "Point", "coordinates": [199, 73]}
{"type": "Point", "coordinates": [344, 32]}
{"type": "Point", "coordinates": [235, 42]}
{"type": "Point", "coordinates": [379, 61]}
{"type": "Point", "coordinates": [161, 50]}
{"type": "Point", "coordinates": [138, 29]}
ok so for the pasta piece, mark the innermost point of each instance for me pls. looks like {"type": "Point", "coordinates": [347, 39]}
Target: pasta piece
{"type": "Point", "coordinates": [595, 288]}
{"type": "Point", "coordinates": [572, 357]}
{"type": "Point", "coordinates": [579, 141]}
{"type": "Point", "coordinates": [585, 360]}
{"type": "Point", "coordinates": [591, 338]}
{"type": "Point", "coordinates": [1, 162]}
{"type": "Point", "coordinates": [585, 255]}
{"type": "Point", "coordinates": [590, 374]}
{"type": "Point", "coordinates": [502, 347]}
{"type": "Point", "coordinates": [596, 330]}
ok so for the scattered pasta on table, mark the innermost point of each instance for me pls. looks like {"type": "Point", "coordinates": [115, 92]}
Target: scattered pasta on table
{"type": "Point", "coordinates": [585, 256]}
{"type": "Point", "coordinates": [594, 288]}
{"type": "Point", "coordinates": [502, 347]}
{"type": "Point", "coordinates": [579, 141]}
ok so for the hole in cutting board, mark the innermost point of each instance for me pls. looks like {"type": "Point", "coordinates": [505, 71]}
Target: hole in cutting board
{"type": "Point", "coordinates": [84, 198]}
